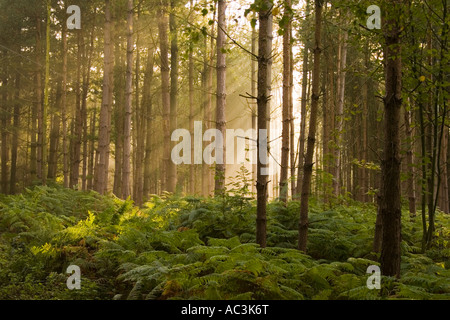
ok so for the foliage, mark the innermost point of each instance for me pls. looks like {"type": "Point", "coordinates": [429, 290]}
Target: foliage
{"type": "Point", "coordinates": [198, 248]}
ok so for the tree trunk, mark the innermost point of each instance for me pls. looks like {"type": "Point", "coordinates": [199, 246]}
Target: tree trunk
{"type": "Point", "coordinates": [147, 102]}
{"type": "Point", "coordinates": [126, 158]}
{"type": "Point", "coordinates": [172, 168]}
{"type": "Point", "coordinates": [45, 105]}
{"type": "Point", "coordinates": [285, 136]}
{"type": "Point", "coordinates": [342, 61]}
{"type": "Point", "coordinates": [65, 150]}
{"type": "Point", "coordinates": [263, 99]}
{"type": "Point", "coordinates": [303, 114]}
{"type": "Point", "coordinates": [192, 167]}
{"type": "Point", "coordinates": [221, 97]}
{"type": "Point", "coordinates": [390, 170]}
{"type": "Point", "coordinates": [253, 77]}
{"type": "Point", "coordinates": [410, 164]}
{"type": "Point", "coordinates": [4, 131]}
{"type": "Point", "coordinates": [15, 136]}
{"type": "Point", "coordinates": [165, 83]}
{"type": "Point", "coordinates": [78, 127]}
{"type": "Point", "coordinates": [308, 166]}
{"type": "Point", "coordinates": [102, 168]}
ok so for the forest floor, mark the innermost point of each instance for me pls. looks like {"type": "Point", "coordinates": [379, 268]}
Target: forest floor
{"type": "Point", "coordinates": [204, 248]}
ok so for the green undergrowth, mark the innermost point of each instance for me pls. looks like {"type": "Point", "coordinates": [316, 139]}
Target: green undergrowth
{"type": "Point", "coordinates": [203, 248]}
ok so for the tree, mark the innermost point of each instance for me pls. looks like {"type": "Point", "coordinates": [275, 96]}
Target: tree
{"type": "Point", "coordinates": [221, 96]}
{"type": "Point", "coordinates": [165, 84]}
{"type": "Point", "coordinates": [263, 98]}
{"type": "Point", "coordinates": [390, 169]}
{"type": "Point", "coordinates": [308, 166]}
{"type": "Point", "coordinates": [285, 145]}
{"type": "Point", "coordinates": [102, 167]}
{"type": "Point", "coordinates": [172, 169]}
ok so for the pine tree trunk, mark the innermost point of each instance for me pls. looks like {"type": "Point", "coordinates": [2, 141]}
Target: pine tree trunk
{"type": "Point", "coordinates": [192, 167]}
{"type": "Point", "coordinates": [126, 166]}
{"type": "Point", "coordinates": [390, 171]}
{"type": "Point", "coordinates": [4, 130]}
{"type": "Point", "coordinates": [78, 128]}
{"type": "Point", "coordinates": [91, 163]}
{"type": "Point", "coordinates": [285, 131]}
{"type": "Point", "coordinates": [65, 150]}
{"type": "Point", "coordinates": [147, 104]}
{"type": "Point", "coordinates": [35, 167]}
{"type": "Point", "coordinates": [45, 105]}
{"type": "Point", "coordinates": [221, 97]}
{"type": "Point", "coordinates": [102, 167]}
{"type": "Point", "coordinates": [84, 115]}
{"type": "Point", "coordinates": [264, 86]}
{"type": "Point", "coordinates": [303, 114]}
{"type": "Point", "coordinates": [342, 61]}
{"type": "Point", "coordinates": [253, 77]}
{"type": "Point", "coordinates": [410, 164]}
{"type": "Point", "coordinates": [308, 165]}
{"type": "Point", "coordinates": [138, 189]}
{"type": "Point", "coordinates": [165, 83]}
{"type": "Point", "coordinates": [15, 136]}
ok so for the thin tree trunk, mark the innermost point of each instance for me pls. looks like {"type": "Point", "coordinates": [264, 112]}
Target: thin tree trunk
{"type": "Point", "coordinates": [172, 172]}
{"type": "Point", "coordinates": [102, 167]}
{"type": "Point", "coordinates": [285, 132]}
{"type": "Point", "coordinates": [45, 105]}
{"type": "Point", "coordinates": [192, 167]}
{"type": "Point", "coordinates": [84, 115]}
{"type": "Point", "coordinates": [4, 131]}
{"type": "Point", "coordinates": [165, 83]}
{"type": "Point", "coordinates": [78, 127]}
{"type": "Point", "coordinates": [90, 170]}
{"type": "Point", "coordinates": [37, 153]}
{"type": "Point", "coordinates": [221, 96]}
{"type": "Point", "coordinates": [342, 61]}
{"type": "Point", "coordinates": [253, 77]}
{"type": "Point", "coordinates": [126, 167]}
{"type": "Point", "coordinates": [264, 87]}
{"type": "Point", "coordinates": [390, 170]}
{"type": "Point", "coordinates": [304, 99]}
{"type": "Point", "coordinates": [147, 103]}
{"type": "Point", "coordinates": [15, 136]}
{"type": "Point", "coordinates": [308, 166]}
{"type": "Point", "coordinates": [409, 164]}
{"type": "Point", "coordinates": [65, 150]}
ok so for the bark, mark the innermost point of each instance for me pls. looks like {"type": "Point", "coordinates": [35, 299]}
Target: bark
{"type": "Point", "coordinates": [147, 103]}
{"type": "Point", "coordinates": [4, 132]}
{"type": "Point", "coordinates": [286, 121]}
{"type": "Point", "coordinates": [102, 168]}
{"type": "Point", "coordinates": [221, 96]}
{"type": "Point", "coordinates": [139, 116]}
{"type": "Point", "coordinates": [263, 99]}
{"type": "Point", "coordinates": [126, 167]}
{"type": "Point", "coordinates": [65, 150]}
{"type": "Point", "coordinates": [342, 61]}
{"type": "Point", "coordinates": [303, 114]}
{"type": "Point", "coordinates": [54, 136]}
{"type": "Point", "coordinates": [192, 167]}
{"type": "Point", "coordinates": [410, 164]}
{"type": "Point", "coordinates": [78, 127]}
{"type": "Point", "coordinates": [45, 105]}
{"type": "Point", "coordinates": [253, 77]}
{"type": "Point", "coordinates": [308, 166]}
{"type": "Point", "coordinates": [165, 83]}
{"type": "Point", "coordinates": [36, 154]}
{"type": "Point", "coordinates": [15, 135]}
{"type": "Point", "coordinates": [90, 170]}
{"type": "Point", "coordinates": [390, 169]}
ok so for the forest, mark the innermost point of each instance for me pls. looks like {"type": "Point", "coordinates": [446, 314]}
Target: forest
{"type": "Point", "coordinates": [224, 150]}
